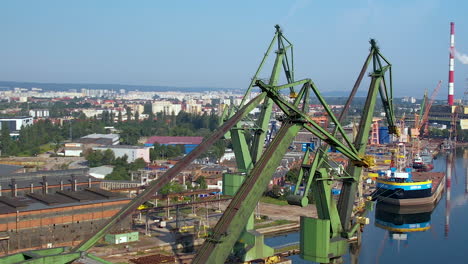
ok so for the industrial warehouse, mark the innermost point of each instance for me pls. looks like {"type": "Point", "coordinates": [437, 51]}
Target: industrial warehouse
{"type": "Point", "coordinates": [53, 208]}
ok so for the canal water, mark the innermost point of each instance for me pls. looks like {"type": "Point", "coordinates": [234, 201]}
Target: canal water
{"type": "Point", "coordinates": [440, 236]}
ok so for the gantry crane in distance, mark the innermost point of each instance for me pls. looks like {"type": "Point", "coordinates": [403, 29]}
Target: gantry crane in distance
{"type": "Point", "coordinates": [325, 238]}
{"type": "Point", "coordinates": [424, 124]}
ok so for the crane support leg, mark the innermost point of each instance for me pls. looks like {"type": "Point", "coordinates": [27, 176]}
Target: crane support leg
{"type": "Point", "coordinates": [321, 239]}
{"type": "Point", "coordinates": [349, 188]}
{"type": "Point", "coordinates": [227, 231]}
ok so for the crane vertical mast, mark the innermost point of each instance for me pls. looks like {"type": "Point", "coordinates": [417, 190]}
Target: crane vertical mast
{"type": "Point", "coordinates": [378, 83]}
{"type": "Point", "coordinates": [247, 155]}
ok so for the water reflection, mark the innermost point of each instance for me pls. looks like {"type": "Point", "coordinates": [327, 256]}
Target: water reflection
{"type": "Point", "coordinates": [400, 221]}
{"type": "Point", "coordinates": [448, 186]}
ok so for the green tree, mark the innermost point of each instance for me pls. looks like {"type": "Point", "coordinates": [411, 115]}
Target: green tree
{"type": "Point", "coordinates": [137, 115]}
{"type": "Point", "coordinates": [201, 181]}
{"type": "Point", "coordinates": [5, 139]}
{"type": "Point", "coordinates": [121, 161]}
{"type": "Point", "coordinates": [119, 174]}
{"type": "Point", "coordinates": [171, 187]}
{"type": "Point", "coordinates": [119, 117]}
{"type": "Point", "coordinates": [130, 135]}
{"type": "Point", "coordinates": [292, 175]}
{"type": "Point", "coordinates": [148, 108]}
{"type": "Point", "coordinates": [108, 157]}
{"type": "Point", "coordinates": [137, 164]}
{"type": "Point", "coordinates": [129, 113]}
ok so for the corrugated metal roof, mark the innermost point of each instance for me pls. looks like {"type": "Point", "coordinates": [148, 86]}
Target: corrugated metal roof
{"type": "Point", "coordinates": [174, 140]}
{"type": "Point", "coordinates": [111, 136]}
{"type": "Point", "coordinates": [6, 169]}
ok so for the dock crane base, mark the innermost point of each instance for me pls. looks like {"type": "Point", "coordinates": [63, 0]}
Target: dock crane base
{"type": "Point", "coordinates": [316, 245]}
{"type": "Point", "coordinates": [251, 244]}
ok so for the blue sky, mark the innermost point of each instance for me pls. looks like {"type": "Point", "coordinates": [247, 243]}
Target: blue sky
{"type": "Point", "coordinates": [220, 43]}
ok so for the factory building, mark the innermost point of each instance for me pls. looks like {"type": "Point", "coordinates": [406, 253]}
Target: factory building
{"type": "Point", "coordinates": [304, 140]}
{"type": "Point", "coordinates": [443, 114]}
{"type": "Point", "coordinates": [100, 139]}
{"type": "Point", "coordinates": [53, 208]}
{"type": "Point", "coordinates": [132, 152]}
{"type": "Point", "coordinates": [15, 123]}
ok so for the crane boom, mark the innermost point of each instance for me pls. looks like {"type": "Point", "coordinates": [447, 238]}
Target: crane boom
{"type": "Point", "coordinates": [424, 119]}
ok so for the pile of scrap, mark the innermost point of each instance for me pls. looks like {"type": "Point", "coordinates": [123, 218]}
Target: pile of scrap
{"type": "Point", "coordinates": [158, 258]}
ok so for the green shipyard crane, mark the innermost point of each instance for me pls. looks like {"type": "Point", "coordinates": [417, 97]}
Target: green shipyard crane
{"type": "Point", "coordinates": [323, 239]}
{"type": "Point", "coordinates": [250, 245]}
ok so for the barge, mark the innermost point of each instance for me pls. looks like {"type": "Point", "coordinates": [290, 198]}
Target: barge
{"type": "Point", "coordinates": [421, 188]}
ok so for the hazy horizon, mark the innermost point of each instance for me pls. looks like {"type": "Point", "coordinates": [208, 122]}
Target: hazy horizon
{"type": "Point", "coordinates": [220, 44]}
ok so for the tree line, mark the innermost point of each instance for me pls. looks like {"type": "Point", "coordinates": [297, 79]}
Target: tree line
{"type": "Point", "coordinates": [44, 131]}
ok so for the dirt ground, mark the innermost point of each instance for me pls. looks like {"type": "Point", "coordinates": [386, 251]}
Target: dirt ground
{"type": "Point", "coordinates": [45, 162]}
{"type": "Point", "coordinates": [287, 212]}
{"type": "Point", "coordinates": [149, 245]}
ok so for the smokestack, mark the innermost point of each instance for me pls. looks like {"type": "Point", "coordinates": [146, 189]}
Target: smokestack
{"type": "Point", "coordinates": [451, 64]}
{"type": "Point", "coordinates": [14, 186]}
{"type": "Point", "coordinates": [73, 183]}
{"type": "Point", "coordinates": [45, 185]}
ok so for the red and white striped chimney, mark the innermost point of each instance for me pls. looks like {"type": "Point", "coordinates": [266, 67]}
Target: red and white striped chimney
{"type": "Point", "coordinates": [451, 64]}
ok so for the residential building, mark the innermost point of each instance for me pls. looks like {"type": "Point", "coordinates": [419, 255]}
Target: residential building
{"type": "Point", "coordinates": [166, 107]}
{"type": "Point", "coordinates": [39, 113]}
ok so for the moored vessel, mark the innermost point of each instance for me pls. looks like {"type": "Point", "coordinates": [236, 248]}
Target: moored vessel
{"type": "Point", "coordinates": [400, 186]}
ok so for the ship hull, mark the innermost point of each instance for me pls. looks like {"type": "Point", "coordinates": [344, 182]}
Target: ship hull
{"type": "Point", "coordinates": [412, 198]}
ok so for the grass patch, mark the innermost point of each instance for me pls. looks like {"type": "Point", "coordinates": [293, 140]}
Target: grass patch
{"type": "Point", "coordinates": [259, 220]}
{"type": "Point", "coordinates": [274, 223]}
{"type": "Point", "coordinates": [283, 249]}
{"type": "Point", "coordinates": [270, 200]}
{"type": "Point", "coordinates": [46, 147]}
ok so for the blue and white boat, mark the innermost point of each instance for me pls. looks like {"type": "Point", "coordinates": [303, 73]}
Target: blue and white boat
{"type": "Point", "coordinates": [399, 185]}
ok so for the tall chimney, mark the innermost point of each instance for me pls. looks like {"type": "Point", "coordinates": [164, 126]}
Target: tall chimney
{"type": "Point", "coordinates": [45, 185]}
{"type": "Point", "coordinates": [451, 86]}
{"type": "Point", "coordinates": [73, 183]}
{"type": "Point", "coordinates": [14, 188]}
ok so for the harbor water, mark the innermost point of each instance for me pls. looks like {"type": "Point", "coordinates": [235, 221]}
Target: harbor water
{"type": "Point", "coordinates": [425, 236]}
